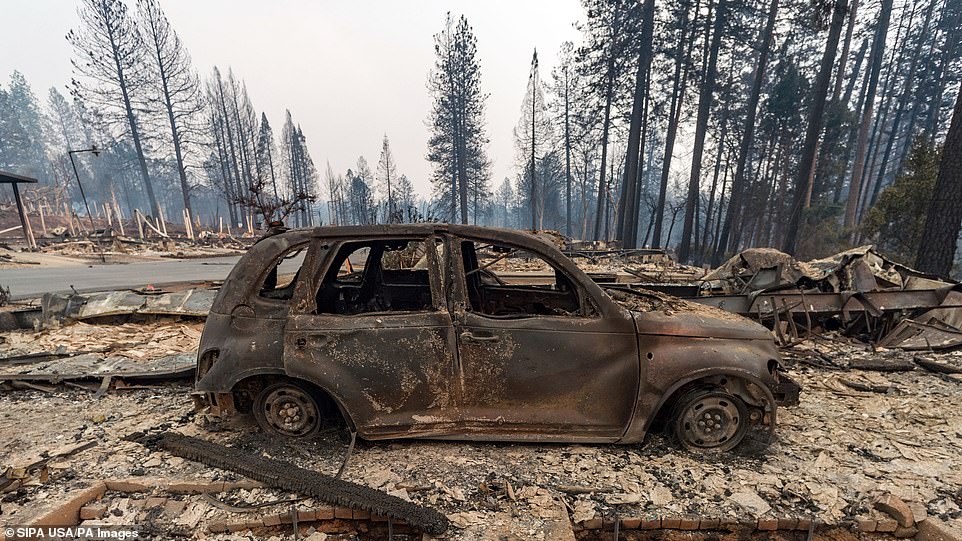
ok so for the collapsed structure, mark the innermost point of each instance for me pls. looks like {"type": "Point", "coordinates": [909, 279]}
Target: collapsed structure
{"type": "Point", "coordinates": [858, 292]}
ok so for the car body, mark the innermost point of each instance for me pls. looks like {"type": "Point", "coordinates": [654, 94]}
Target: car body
{"type": "Point", "coordinates": [426, 340]}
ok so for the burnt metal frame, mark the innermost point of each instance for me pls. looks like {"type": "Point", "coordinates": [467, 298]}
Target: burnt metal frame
{"type": "Point", "coordinates": [15, 181]}
{"type": "Point", "coordinates": [588, 304]}
{"type": "Point", "coordinates": [317, 266]}
{"type": "Point", "coordinates": [872, 302]}
{"type": "Point", "coordinates": [659, 333]}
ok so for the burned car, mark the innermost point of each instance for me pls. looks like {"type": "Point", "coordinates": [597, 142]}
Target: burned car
{"type": "Point", "coordinates": [424, 331]}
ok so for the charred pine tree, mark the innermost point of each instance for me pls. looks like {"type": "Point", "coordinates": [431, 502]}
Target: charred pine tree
{"type": "Point", "coordinates": [839, 9]}
{"type": "Point", "coordinates": [177, 88]}
{"type": "Point", "coordinates": [387, 173]}
{"type": "Point", "coordinates": [900, 107]}
{"type": "Point", "coordinates": [456, 145]}
{"type": "Point", "coordinates": [679, 86]}
{"type": "Point", "coordinates": [940, 237]}
{"type": "Point", "coordinates": [627, 227]}
{"type": "Point", "coordinates": [110, 61]}
{"type": "Point", "coordinates": [738, 186]}
{"type": "Point", "coordinates": [861, 143]}
{"type": "Point", "coordinates": [608, 31]}
{"type": "Point", "coordinates": [265, 154]}
{"type": "Point", "coordinates": [705, 98]}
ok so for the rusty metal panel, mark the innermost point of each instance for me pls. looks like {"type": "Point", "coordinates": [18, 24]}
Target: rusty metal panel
{"type": "Point", "coordinates": [573, 376]}
{"type": "Point", "coordinates": [913, 335]}
{"type": "Point", "coordinates": [392, 372]}
{"type": "Point", "coordinates": [96, 365]}
{"type": "Point", "coordinates": [821, 303]}
{"type": "Point", "coordinates": [190, 302]}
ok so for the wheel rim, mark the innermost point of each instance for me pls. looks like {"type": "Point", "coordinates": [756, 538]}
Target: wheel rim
{"type": "Point", "coordinates": [711, 422]}
{"type": "Point", "coordinates": [290, 411]}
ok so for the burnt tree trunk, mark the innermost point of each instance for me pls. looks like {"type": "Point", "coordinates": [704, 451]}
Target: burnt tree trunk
{"type": "Point", "coordinates": [900, 109]}
{"type": "Point", "coordinates": [705, 98]}
{"type": "Point", "coordinates": [815, 121]}
{"type": "Point", "coordinates": [679, 86]}
{"type": "Point", "coordinates": [941, 233]}
{"type": "Point", "coordinates": [627, 218]}
{"type": "Point", "coordinates": [748, 137]}
{"type": "Point", "coordinates": [875, 66]}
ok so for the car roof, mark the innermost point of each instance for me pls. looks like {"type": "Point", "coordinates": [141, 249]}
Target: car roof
{"type": "Point", "coordinates": [494, 233]}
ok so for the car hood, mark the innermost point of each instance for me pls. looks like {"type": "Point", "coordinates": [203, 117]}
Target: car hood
{"type": "Point", "coordinates": [699, 325]}
{"type": "Point", "coordinates": [660, 314]}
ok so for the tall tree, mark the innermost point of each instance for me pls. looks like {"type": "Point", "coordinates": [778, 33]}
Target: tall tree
{"type": "Point", "coordinates": [803, 180]}
{"type": "Point", "coordinates": [387, 174]}
{"type": "Point", "coordinates": [738, 187]}
{"type": "Point", "coordinates": [903, 102]}
{"type": "Point", "coordinates": [679, 86]}
{"type": "Point", "coordinates": [265, 155]}
{"type": "Point", "coordinates": [533, 135]}
{"type": "Point", "coordinates": [944, 217]}
{"type": "Point", "coordinates": [861, 143]}
{"type": "Point", "coordinates": [705, 98]}
{"type": "Point", "coordinates": [176, 85]}
{"type": "Point", "coordinates": [405, 198]}
{"type": "Point", "coordinates": [627, 230]}
{"type": "Point", "coordinates": [110, 60]}
{"type": "Point", "coordinates": [457, 142]}
{"type": "Point", "coordinates": [15, 140]}
{"type": "Point", "coordinates": [608, 33]}
{"type": "Point", "coordinates": [563, 77]}
{"type": "Point", "coordinates": [25, 108]}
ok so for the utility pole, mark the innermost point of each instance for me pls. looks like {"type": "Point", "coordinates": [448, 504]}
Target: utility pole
{"type": "Point", "coordinates": [534, 184]}
{"type": "Point", "coordinates": [70, 153]}
{"type": "Point", "coordinates": [567, 161]}
{"type": "Point", "coordinates": [96, 152]}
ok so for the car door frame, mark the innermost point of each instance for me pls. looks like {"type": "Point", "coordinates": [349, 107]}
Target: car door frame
{"type": "Point", "coordinates": [607, 316]}
{"type": "Point", "coordinates": [311, 352]}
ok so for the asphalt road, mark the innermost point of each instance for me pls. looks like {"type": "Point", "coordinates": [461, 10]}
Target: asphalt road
{"type": "Point", "coordinates": [35, 281]}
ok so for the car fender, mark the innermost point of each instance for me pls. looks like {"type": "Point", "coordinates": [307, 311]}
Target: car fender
{"type": "Point", "coordinates": [706, 373]}
{"type": "Point", "coordinates": [685, 360]}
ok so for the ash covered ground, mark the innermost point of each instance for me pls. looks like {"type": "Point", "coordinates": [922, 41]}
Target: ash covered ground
{"type": "Point", "coordinates": [834, 453]}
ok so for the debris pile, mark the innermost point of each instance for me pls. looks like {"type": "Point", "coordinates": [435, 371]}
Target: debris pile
{"type": "Point", "coordinates": [162, 349]}
{"type": "Point", "coordinates": [858, 292]}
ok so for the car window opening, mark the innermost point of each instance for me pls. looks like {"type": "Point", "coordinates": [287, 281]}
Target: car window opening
{"type": "Point", "coordinates": [493, 291]}
{"type": "Point", "coordinates": [279, 283]}
{"type": "Point", "coordinates": [377, 276]}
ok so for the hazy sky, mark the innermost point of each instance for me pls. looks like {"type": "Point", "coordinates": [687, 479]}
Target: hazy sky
{"type": "Point", "coordinates": [348, 71]}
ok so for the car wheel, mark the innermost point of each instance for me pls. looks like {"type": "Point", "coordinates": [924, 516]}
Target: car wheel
{"type": "Point", "coordinates": [709, 420]}
{"type": "Point", "coordinates": [287, 409]}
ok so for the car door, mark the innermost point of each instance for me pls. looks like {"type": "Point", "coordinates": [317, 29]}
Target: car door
{"type": "Point", "coordinates": [379, 337]}
{"type": "Point", "coordinates": [539, 361]}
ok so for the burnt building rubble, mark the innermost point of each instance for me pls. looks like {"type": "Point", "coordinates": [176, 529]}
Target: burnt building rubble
{"type": "Point", "coordinates": [858, 293]}
{"type": "Point", "coordinates": [104, 425]}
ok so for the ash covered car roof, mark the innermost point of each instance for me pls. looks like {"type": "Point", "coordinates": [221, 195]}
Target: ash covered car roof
{"type": "Point", "coordinates": [421, 229]}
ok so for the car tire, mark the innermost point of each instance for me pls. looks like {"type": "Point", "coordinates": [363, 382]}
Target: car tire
{"type": "Point", "coordinates": [287, 409]}
{"type": "Point", "coordinates": [709, 421]}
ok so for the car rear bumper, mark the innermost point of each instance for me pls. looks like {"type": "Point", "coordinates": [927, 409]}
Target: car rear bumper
{"type": "Point", "coordinates": [219, 404]}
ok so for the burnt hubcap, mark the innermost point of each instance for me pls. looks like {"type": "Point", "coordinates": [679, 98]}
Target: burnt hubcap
{"type": "Point", "coordinates": [710, 421]}
{"type": "Point", "coordinates": [291, 411]}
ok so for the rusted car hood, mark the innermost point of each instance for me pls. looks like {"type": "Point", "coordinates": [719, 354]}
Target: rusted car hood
{"type": "Point", "coordinates": [699, 326]}
{"type": "Point", "coordinates": [657, 313]}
